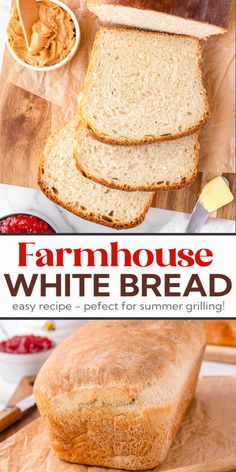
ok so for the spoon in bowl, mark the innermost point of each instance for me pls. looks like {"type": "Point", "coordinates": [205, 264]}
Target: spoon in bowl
{"type": "Point", "coordinates": [28, 11]}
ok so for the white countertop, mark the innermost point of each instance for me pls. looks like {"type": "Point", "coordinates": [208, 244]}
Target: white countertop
{"type": "Point", "coordinates": [13, 199]}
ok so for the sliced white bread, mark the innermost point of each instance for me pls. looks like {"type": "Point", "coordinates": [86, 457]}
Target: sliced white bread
{"type": "Point", "coordinates": [190, 17]}
{"type": "Point", "coordinates": [60, 180]}
{"type": "Point", "coordinates": [143, 87]}
{"type": "Point", "coordinates": [166, 165]}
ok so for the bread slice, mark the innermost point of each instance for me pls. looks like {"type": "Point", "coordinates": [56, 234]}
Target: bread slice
{"type": "Point", "coordinates": [143, 87]}
{"type": "Point", "coordinates": [190, 17]}
{"type": "Point", "coordinates": [166, 165]}
{"type": "Point", "coordinates": [60, 180]}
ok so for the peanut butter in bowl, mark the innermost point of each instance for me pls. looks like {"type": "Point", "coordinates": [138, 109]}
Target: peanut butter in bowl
{"type": "Point", "coordinates": [54, 36]}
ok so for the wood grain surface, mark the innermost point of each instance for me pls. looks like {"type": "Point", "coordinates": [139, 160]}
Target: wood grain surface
{"type": "Point", "coordinates": [220, 354]}
{"type": "Point", "coordinates": [23, 390]}
{"type": "Point", "coordinates": [26, 123]}
{"type": "Point", "coordinates": [185, 199]}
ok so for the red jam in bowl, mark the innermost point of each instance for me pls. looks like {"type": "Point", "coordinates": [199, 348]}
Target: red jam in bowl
{"type": "Point", "coordinates": [28, 344]}
{"type": "Point", "coordinates": [24, 224]}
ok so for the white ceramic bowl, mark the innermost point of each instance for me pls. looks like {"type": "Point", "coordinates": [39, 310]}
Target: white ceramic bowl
{"type": "Point", "coordinates": [66, 59]}
{"type": "Point", "coordinates": [15, 366]}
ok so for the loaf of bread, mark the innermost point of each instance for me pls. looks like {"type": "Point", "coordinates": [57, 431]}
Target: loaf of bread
{"type": "Point", "coordinates": [166, 165]}
{"type": "Point", "coordinates": [199, 18]}
{"type": "Point", "coordinates": [221, 332]}
{"type": "Point", "coordinates": [114, 394]}
{"type": "Point", "coordinates": [143, 87]}
{"type": "Point", "coordinates": [60, 180]}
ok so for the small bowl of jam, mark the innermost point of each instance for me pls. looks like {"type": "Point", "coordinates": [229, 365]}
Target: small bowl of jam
{"type": "Point", "coordinates": [23, 355]}
{"type": "Point", "coordinates": [25, 223]}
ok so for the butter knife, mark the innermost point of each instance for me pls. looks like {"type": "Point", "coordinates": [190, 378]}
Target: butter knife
{"type": "Point", "coordinates": [11, 414]}
{"type": "Point", "coordinates": [214, 195]}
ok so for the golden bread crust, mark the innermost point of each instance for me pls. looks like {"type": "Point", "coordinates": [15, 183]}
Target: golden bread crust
{"type": "Point", "coordinates": [114, 393]}
{"type": "Point", "coordinates": [216, 13]}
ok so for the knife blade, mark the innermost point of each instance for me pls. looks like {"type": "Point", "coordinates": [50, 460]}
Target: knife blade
{"type": "Point", "coordinates": [198, 218]}
{"type": "Point", "coordinates": [11, 414]}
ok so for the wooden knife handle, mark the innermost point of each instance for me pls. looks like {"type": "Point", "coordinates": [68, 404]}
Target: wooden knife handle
{"type": "Point", "coordinates": [9, 416]}
{"type": "Point", "coordinates": [221, 465]}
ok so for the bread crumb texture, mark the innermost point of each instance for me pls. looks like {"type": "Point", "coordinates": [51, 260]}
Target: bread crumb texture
{"type": "Point", "coordinates": [61, 181]}
{"type": "Point", "coordinates": [143, 87]}
{"type": "Point", "coordinates": [166, 165]}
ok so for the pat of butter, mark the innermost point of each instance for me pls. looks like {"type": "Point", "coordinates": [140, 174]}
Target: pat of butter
{"type": "Point", "coordinates": [215, 195]}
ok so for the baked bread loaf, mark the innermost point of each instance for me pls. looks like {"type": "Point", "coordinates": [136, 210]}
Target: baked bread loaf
{"type": "Point", "coordinates": [221, 332]}
{"type": "Point", "coordinates": [143, 87]}
{"type": "Point", "coordinates": [191, 17]}
{"type": "Point", "coordinates": [166, 165]}
{"type": "Point", "coordinates": [60, 180]}
{"type": "Point", "coordinates": [114, 394]}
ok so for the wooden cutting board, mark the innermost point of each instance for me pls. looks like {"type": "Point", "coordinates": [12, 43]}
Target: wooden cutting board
{"type": "Point", "coordinates": [25, 124]}
{"type": "Point", "coordinates": [220, 354]}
